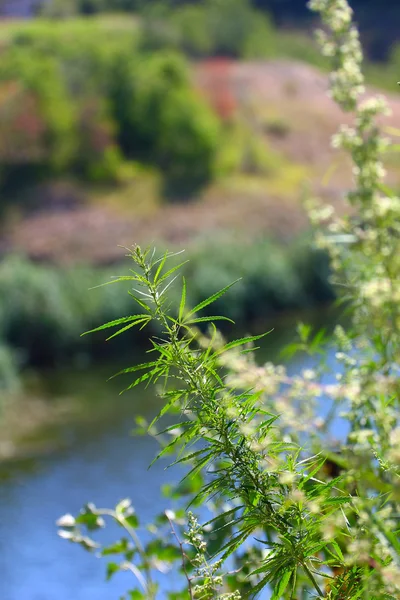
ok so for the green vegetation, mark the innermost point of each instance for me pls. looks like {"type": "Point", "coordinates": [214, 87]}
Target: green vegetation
{"type": "Point", "coordinates": [44, 309]}
{"type": "Point", "coordinates": [298, 510]}
{"type": "Point", "coordinates": [229, 28]}
{"type": "Point", "coordinates": [82, 99]}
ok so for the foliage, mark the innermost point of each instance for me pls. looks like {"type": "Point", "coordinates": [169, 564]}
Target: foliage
{"type": "Point", "coordinates": [222, 28]}
{"type": "Point", "coordinates": [162, 120]}
{"type": "Point", "coordinates": [43, 309]}
{"type": "Point", "coordinates": [296, 510]}
{"type": "Point", "coordinates": [378, 27]}
{"type": "Point", "coordinates": [80, 98]}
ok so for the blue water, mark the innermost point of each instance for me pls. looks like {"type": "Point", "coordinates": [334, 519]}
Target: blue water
{"type": "Point", "coordinates": [99, 461]}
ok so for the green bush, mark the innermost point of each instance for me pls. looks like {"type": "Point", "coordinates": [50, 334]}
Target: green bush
{"type": "Point", "coordinates": [213, 28]}
{"type": "Point", "coordinates": [272, 278]}
{"type": "Point", "coordinates": [44, 309]}
{"type": "Point", "coordinates": [161, 120]}
{"type": "Point", "coordinates": [79, 98]}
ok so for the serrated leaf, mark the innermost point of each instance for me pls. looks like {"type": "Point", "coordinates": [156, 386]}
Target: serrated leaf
{"type": "Point", "coordinates": [160, 267]}
{"type": "Point", "coordinates": [336, 501]}
{"type": "Point", "coordinates": [116, 280]}
{"type": "Point", "coordinates": [212, 298]}
{"type": "Point", "coordinates": [144, 320]}
{"type": "Point", "coordinates": [114, 323]}
{"type": "Point", "coordinates": [171, 271]}
{"type": "Point", "coordinates": [241, 342]}
{"type": "Point", "coordinates": [140, 302]}
{"type": "Point", "coordinates": [140, 367]}
{"type": "Point", "coordinates": [260, 586]}
{"type": "Point", "coordinates": [281, 586]}
{"type": "Point", "coordinates": [209, 319]}
{"type": "Point", "coordinates": [139, 380]}
{"type": "Point", "coordinates": [183, 300]}
{"type": "Point", "coordinates": [311, 474]}
{"type": "Point", "coordinates": [164, 409]}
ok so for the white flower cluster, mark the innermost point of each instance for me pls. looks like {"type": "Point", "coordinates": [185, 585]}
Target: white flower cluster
{"type": "Point", "coordinates": [210, 581]}
{"type": "Point", "coordinates": [347, 82]}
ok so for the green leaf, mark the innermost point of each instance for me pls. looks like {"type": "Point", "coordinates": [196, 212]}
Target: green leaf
{"type": "Point", "coordinates": [281, 586]}
{"type": "Point", "coordinates": [241, 342]}
{"type": "Point", "coordinates": [160, 267]}
{"type": "Point", "coordinates": [116, 280]}
{"type": "Point", "coordinates": [91, 520]}
{"type": "Point", "coordinates": [140, 380]}
{"type": "Point", "coordinates": [337, 501]}
{"type": "Point", "coordinates": [119, 547]}
{"type": "Point", "coordinates": [212, 298]}
{"type": "Point", "coordinates": [260, 586]}
{"type": "Point", "coordinates": [136, 595]}
{"type": "Point", "coordinates": [165, 408]}
{"type": "Point", "coordinates": [144, 320]}
{"type": "Point", "coordinates": [337, 548]}
{"type": "Point", "coordinates": [140, 367]}
{"type": "Point", "coordinates": [140, 302]}
{"type": "Point", "coordinates": [114, 323]}
{"type": "Point", "coordinates": [183, 300]}
{"type": "Point", "coordinates": [171, 271]}
{"type": "Point", "coordinates": [208, 319]}
{"type": "Point", "coordinates": [132, 521]}
{"type": "Point", "coordinates": [310, 475]}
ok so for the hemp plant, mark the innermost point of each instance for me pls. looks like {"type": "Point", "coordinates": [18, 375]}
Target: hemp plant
{"type": "Point", "coordinates": [297, 514]}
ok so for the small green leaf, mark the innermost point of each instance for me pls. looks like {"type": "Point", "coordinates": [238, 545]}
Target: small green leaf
{"type": "Point", "coordinates": [140, 302]}
{"type": "Point", "coordinates": [116, 280]}
{"type": "Point", "coordinates": [139, 380]}
{"type": "Point", "coordinates": [119, 547]}
{"type": "Point", "coordinates": [281, 586]}
{"type": "Point", "coordinates": [212, 298]}
{"type": "Point", "coordinates": [140, 367]}
{"type": "Point", "coordinates": [114, 323]}
{"type": "Point", "coordinates": [160, 267]}
{"type": "Point", "coordinates": [144, 320]}
{"type": "Point", "coordinates": [241, 342]}
{"type": "Point", "coordinates": [171, 271]}
{"type": "Point", "coordinates": [132, 521]}
{"type": "Point", "coordinates": [112, 568]}
{"type": "Point", "coordinates": [209, 319]}
{"type": "Point", "coordinates": [136, 595]}
{"type": "Point", "coordinates": [183, 300]}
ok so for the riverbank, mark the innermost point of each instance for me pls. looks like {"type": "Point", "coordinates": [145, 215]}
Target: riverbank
{"type": "Point", "coordinates": [44, 309]}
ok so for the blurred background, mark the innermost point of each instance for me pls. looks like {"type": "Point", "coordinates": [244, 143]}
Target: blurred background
{"type": "Point", "coordinates": [198, 125]}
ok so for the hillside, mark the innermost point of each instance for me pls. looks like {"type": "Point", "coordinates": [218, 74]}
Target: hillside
{"type": "Point", "coordinates": [286, 101]}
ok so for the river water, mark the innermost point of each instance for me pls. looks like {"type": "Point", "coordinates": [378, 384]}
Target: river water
{"type": "Point", "coordinates": [96, 459]}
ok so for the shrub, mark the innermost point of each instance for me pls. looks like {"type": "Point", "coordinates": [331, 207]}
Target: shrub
{"type": "Point", "coordinates": [161, 119]}
{"type": "Point", "coordinates": [43, 309]}
{"type": "Point", "coordinates": [36, 117]}
{"type": "Point", "coordinates": [80, 97]}
{"type": "Point", "coordinates": [274, 278]}
{"type": "Point", "coordinates": [230, 28]}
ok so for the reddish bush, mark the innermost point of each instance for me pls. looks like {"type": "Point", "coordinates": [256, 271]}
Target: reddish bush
{"type": "Point", "coordinates": [215, 80]}
{"type": "Point", "coordinates": [22, 130]}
